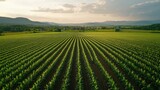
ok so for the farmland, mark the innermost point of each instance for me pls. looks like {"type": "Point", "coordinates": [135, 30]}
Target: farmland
{"type": "Point", "coordinates": [80, 60]}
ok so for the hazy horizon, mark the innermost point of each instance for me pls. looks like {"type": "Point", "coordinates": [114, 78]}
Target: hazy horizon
{"type": "Point", "coordinates": [81, 11]}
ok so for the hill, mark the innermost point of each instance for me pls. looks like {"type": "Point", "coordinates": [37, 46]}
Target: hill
{"type": "Point", "coordinates": [22, 21]}
{"type": "Point", "coordinates": [113, 23]}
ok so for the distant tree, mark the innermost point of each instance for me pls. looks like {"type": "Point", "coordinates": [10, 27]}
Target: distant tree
{"type": "Point", "coordinates": [58, 30]}
{"type": "Point", "coordinates": [117, 29]}
{"type": "Point", "coordinates": [35, 30]}
{"type": "Point", "coordinates": [1, 32]}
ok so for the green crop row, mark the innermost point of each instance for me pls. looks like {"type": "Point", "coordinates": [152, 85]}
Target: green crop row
{"type": "Point", "coordinates": [88, 60]}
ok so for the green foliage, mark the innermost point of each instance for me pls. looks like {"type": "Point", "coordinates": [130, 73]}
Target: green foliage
{"type": "Point", "coordinates": [117, 29]}
{"type": "Point", "coordinates": [1, 32]}
{"type": "Point", "coordinates": [125, 61]}
{"type": "Point", "coordinates": [58, 30]}
{"type": "Point", "coordinates": [35, 29]}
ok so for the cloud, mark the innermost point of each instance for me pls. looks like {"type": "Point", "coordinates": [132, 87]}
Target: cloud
{"type": "Point", "coordinates": [88, 7]}
{"type": "Point", "coordinates": [101, 2]}
{"type": "Point", "coordinates": [71, 6]}
{"type": "Point", "coordinates": [65, 8]}
{"type": "Point", "coordinates": [147, 10]}
{"type": "Point", "coordinates": [145, 3]}
{"type": "Point", "coordinates": [60, 10]}
{"type": "Point", "coordinates": [78, 8]}
{"type": "Point", "coordinates": [126, 9]}
{"type": "Point", "coordinates": [99, 7]}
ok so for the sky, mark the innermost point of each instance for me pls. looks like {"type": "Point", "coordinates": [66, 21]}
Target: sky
{"type": "Point", "coordinates": [79, 11]}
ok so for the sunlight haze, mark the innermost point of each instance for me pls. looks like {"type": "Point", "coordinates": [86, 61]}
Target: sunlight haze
{"type": "Point", "coordinates": [79, 11]}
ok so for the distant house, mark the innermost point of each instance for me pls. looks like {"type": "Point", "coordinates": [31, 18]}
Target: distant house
{"type": "Point", "coordinates": [117, 28]}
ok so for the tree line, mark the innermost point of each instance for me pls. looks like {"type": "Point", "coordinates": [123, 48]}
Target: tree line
{"type": "Point", "coordinates": [146, 27]}
{"type": "Point", "coordinates": [34, 29]}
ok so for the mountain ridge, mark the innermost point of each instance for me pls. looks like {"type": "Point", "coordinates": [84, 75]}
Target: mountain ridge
{"type": "Point", "coordinates": [26, 21]}
{"type": "Point", "coordinates": [22, 21]}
